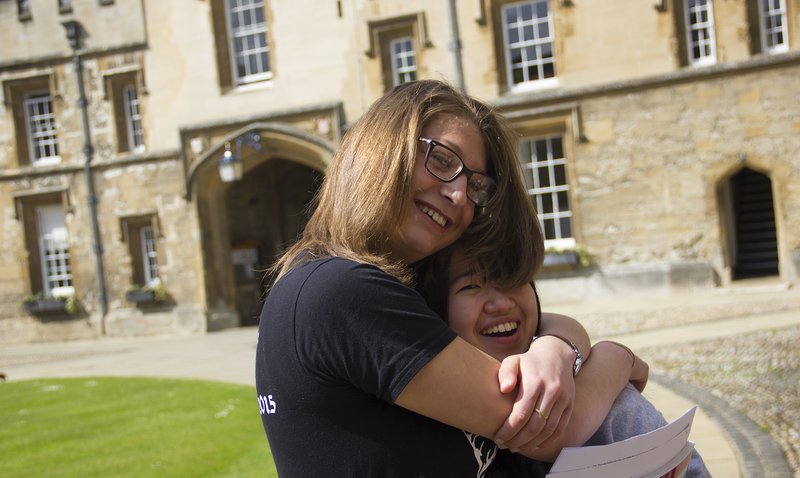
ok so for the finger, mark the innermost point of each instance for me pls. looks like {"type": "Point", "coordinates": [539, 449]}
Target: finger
{"type": "Point", "coordinates": [508, 374]}
{"type": "Point", "coordinates": [556, 424]}
{"type": "Point", "coordinates": [517, 430]}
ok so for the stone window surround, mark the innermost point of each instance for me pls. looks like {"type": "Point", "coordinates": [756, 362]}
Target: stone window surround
{"type": "Point", "coordinates": [14, 91]}
{"type": "Point", "coordinates": [131, 228]}
{"type": "Point", "coordinates": [114, 83]}
{"type": "Point", "coordinates": [26, 204]}
{"type": "Point", "coordinates": [385, 30]}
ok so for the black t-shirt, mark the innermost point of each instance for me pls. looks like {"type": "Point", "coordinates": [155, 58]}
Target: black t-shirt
{"type": "Point", "coordinates": [338, 342]}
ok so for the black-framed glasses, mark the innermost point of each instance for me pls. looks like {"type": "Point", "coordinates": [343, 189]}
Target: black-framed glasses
{"type": "Point", "coordinates": [446, 165]}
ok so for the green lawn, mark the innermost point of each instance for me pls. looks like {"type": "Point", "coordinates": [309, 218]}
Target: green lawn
{"type": "Point", "coordinates": [131, 427]}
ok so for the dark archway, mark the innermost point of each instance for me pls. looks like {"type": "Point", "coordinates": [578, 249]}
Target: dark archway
{"type": "Point", "coordinates": [266, 212]}
{"type": "Point", "coordinates": [755, 252]}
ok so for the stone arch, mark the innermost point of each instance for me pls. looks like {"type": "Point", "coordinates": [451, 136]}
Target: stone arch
{"type": "Point", "coordinates": [245, 224]}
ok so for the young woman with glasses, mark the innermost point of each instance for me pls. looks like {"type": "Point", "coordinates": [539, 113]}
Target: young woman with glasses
{"type": "Point", "coordinates": [355, 375]}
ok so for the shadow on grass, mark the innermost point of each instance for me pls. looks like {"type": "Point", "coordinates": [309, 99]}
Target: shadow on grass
{"type": "Point", "coordinates": [131, 427]}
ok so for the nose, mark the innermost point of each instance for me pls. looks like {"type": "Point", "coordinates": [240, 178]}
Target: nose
{"type": "Point", "coordinates": [497, 302]}
{"type": "Point", "coordinates": [456, 190]}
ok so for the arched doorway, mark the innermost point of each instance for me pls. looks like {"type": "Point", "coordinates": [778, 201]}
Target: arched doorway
{"type": "Point", "coordinates": [266, 211]}
{"type": "Point", "coordinates": [245, 223]}
{"type": "Point", "coordinates": [754, 242]}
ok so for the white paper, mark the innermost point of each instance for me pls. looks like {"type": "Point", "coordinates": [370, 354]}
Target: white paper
{"type": "Point", "coordinates": [645, 455]}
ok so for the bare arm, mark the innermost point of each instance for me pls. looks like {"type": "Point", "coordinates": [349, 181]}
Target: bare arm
{"type": "Point", "coordinates": [459, 387]}
{"type": "Point", "coordinates": [569, 328]}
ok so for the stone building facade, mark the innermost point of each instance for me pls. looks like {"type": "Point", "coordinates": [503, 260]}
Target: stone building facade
{"type": "Point", "coordinates": [660, 140]}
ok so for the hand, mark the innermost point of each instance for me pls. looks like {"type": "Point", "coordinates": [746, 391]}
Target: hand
{"type": "Point", "coordinates": [639, 374]}
{"type": "Point", "coordinates": [543, 380]}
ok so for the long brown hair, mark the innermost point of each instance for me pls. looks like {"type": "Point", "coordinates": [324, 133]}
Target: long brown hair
{"type": "Point", "coordinates": [359, 206]}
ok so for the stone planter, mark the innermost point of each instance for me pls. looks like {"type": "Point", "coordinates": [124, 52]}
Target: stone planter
{"type": "Point", "coordinates": [140, 296]}
{"type": "Point", "coordinates": [46, 306]}
{"type": "Point", "coordinates": [561, 259]}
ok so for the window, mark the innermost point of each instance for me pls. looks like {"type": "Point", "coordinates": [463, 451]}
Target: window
{"type": "Point", "coordinates": [141, 234]}
{"type": "Point", "coordinates": [54, 250]}
{"type": "Point", "coordinates": [149, 263]}
{"type": "Point", "coordinates": [396, 42]}
{"type": "Point", "coordinates": [64, 6]}
{"type": "Point", "coordinates": [35, 120]}
{"type": "Point", "coordinates": [241, 37]}
{"type": "Point", "coordinates": [699, 24]}
{"type": "Point", "coordinates": [24, 10]}
{"type": "Point", "coordinates": [40, 123]}
{"type": "Point", "coordinates": [248, 37]}
{"type": "Point", "coordinates": [772, 20]}
{"type": "Point", "coordinates": [133, 118]}
{"type": "Point", "coordinates": [545, 174]}
{"type": "Point", "coordinates": [528, 43]}
{"type": "Point", "coordinates": [404, 63]}
{"type": "Point", "coordinates": [127, 106]}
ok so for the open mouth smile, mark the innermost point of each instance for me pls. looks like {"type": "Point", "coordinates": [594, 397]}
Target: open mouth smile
{"type": "Point", "coordinates": [505, 329]}
{"type": "Point", "coordinates": [437, 218]}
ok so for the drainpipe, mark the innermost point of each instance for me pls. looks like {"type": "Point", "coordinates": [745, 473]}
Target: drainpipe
{"type": "Point", "coordinates": [455, 45]}
{"type": "Point", "coordinates": [74, 34]}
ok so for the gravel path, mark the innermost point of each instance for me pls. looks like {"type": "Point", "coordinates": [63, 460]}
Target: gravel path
{"type": "Point", "coordinates": [758, 374]}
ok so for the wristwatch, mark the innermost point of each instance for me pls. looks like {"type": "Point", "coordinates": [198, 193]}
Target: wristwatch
{"type": "Point", "coordinates": [576, 366]}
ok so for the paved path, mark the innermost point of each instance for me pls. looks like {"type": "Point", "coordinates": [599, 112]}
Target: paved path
{"type": "Point", "coordinates": [229, 356]}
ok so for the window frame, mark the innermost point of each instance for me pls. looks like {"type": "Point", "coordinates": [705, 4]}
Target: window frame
{"type": "Point", "coordinates": [149, 254]}
{"type": "Point", "coordinates": [129, 129]}
{"type": "Point", "coordinates": [398, 73]}
{"type": "Point", "coordinates": [49, 137]}
{"type": "Point", "coordinates": [24, 10]}
{"type": "Point", "coordinates": [261, 28]}
{"type": "Point", "coordinates": [709, 28]}
{"type": "Point", "coordinates": [133, 117]}
{"type": "Point", "coordinates": [384, 31]}
{"type": "Point", "coordinates": [143, 251]}
{"type": "Point", "coordinates": [764, 34]}
{"type": "Point", "coordinates": [507, 47]}
{"type": "Point", "coordinates": [529, 169]}
{"type": "Point", "coordinates": [58, 258]}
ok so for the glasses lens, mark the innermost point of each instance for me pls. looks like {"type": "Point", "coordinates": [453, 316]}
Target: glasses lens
{"type": "Point", "coordinates": [443, 163]}
{"type": "Point", "coordinates": [480, 189]}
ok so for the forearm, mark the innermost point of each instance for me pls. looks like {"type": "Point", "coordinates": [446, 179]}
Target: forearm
{"type": "Point", "coordinates": [459, 387]}
{"type": "Point", "coordinates": [567, 327]}
{"type": "Point", "coordinates": [601, 379]}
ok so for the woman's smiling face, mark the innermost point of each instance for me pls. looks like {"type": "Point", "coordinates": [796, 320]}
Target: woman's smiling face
{"type": "Point", "coordinates": [500, 322]}
{"type": "Point", "coordinates": [439, 212]}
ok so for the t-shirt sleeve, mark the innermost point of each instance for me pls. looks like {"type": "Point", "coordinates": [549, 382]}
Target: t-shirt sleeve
{"type": "Point", "coordinates": [356, 325]}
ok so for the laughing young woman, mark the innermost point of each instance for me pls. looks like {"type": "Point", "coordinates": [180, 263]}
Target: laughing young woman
{"type": "Point", "coordinates": [355, 375]}
{"type": "Point", "coordinates": [503, 320]}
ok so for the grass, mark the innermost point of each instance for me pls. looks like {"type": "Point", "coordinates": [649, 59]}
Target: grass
{"type": "Point", "coordinates": [130, 427]}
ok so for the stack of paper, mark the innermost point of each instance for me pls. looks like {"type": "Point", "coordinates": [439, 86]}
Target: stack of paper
{"type": "Point", "coordinates": [662, 453]}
